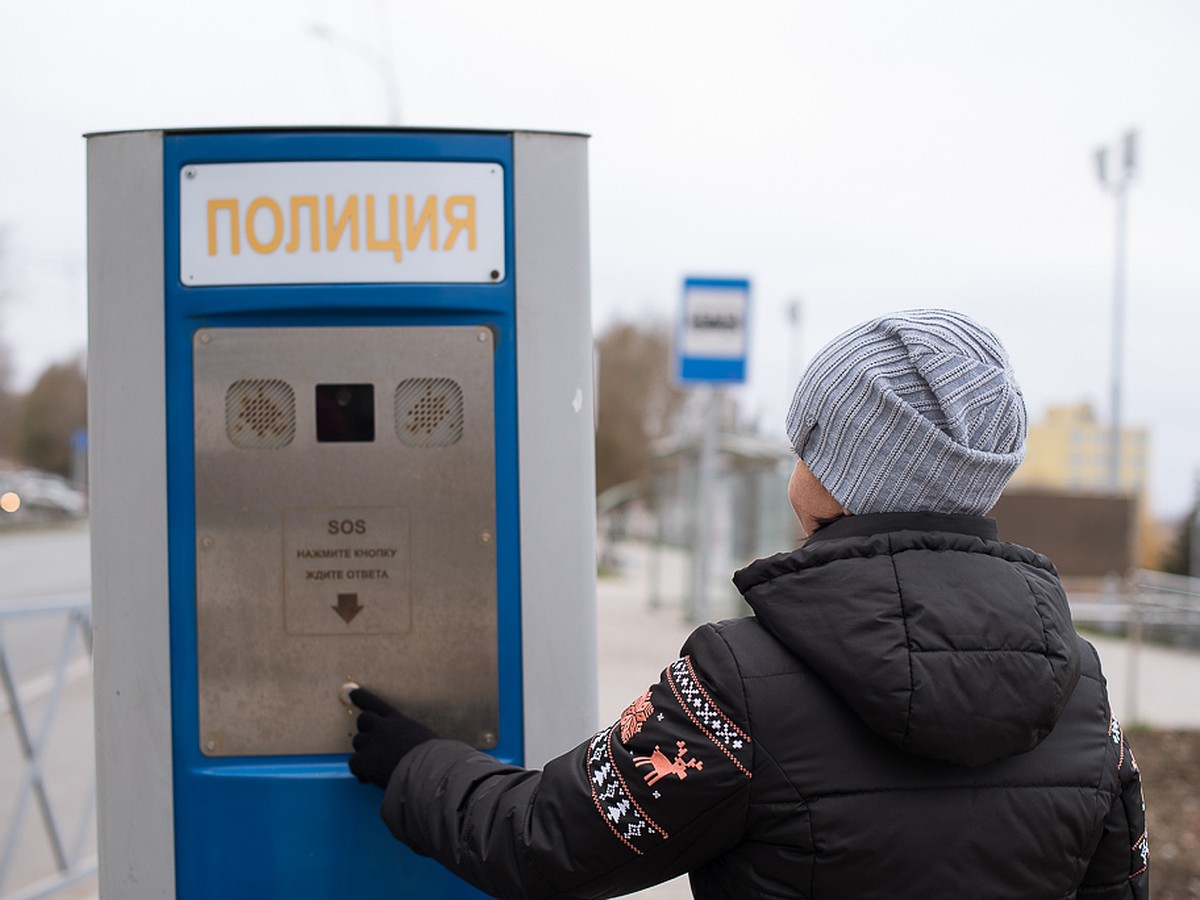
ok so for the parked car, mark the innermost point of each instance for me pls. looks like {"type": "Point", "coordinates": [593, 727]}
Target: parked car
{"type": "Point", "coordinates": [28, 495]}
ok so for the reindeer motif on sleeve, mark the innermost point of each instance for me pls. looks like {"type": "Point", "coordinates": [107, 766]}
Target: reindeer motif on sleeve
{"type": "Point", "coordinates": [661, 766]}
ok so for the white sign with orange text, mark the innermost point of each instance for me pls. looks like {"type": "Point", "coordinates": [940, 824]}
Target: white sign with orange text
{"type": "Point", "coordinates": [354, 222]}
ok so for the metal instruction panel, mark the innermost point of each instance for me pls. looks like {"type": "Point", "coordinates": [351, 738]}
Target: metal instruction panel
{"type": "Point", "coordinates": [345, 519]}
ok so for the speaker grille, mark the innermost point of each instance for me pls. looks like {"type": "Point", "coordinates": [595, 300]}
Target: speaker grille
{"type": "Point", "coordinates": [429, 412]}
{"type": "Point", "coordinates": [260, 413]}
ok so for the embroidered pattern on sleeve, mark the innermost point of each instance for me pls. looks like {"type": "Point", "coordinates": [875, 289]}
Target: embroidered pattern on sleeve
{"type": "Point", "coordinates": [661, 765]}
{"type": "Point", "coordinates": [1142, 850]}
{"type": "Point", "coordinates": [1141, 847]}
{"type": "Point", "coordinates": [707, 716]}
{"type": "Point", "coordinates": [1114, 732]}
{"type": "Point", "coordinates": [613, 800]}
{"type": "Point", "coordinates": [670, 755]}
{"type": "Point", "coordinates": [635, 716]}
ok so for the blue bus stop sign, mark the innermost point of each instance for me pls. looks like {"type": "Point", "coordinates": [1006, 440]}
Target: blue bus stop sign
{"type": "Point", "coordinates": [712, 334]}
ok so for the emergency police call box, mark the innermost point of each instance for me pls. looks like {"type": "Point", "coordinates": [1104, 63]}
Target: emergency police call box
{"type": "Point", "coordinates": [341, 432]}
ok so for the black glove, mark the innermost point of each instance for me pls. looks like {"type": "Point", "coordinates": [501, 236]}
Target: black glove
{"type": "Point", "coordinates": [384, 735]}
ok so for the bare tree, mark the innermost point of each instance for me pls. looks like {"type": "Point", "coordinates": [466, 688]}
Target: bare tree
{"type": "Point", "coordinates": [1178, 556]}
{"type": "Point", "coordinates": [637, 400]}
{"type": "Point", "coordinates": [9, 409]}
{"type": "Point", "coordinates": [9, 405]}
{"type": "Point", "coordinates": [54, 409]}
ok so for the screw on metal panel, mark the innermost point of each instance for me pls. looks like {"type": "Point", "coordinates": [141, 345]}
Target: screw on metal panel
{"type": "Point", "coordinates": [485, 537]}
{"type": "Point", "coordinates": [495, 274]}
{"type": "Point", "coordinates": [210, 745]}
{"type": "Point", "coordinates": [206, 542]}
{"type": "Point", "coordinates": [205, 337]}
{"type": "Point", "coordinates": [189, 173]}
{"type": "Point", "coordinates": [487, 739]}
{"type": "Point", "coordinates": [483, 336]}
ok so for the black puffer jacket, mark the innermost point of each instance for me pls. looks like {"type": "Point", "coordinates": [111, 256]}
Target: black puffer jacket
{"type": "Point", "coordinates": [909, 713]}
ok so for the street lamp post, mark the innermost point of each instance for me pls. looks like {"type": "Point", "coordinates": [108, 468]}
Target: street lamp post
{"type": "Point", "coordinates": [380, 58]}
{"type": "Point", "coordinates": [1116, 180]}
{"type": "Point", "coordinates": [795, 317]}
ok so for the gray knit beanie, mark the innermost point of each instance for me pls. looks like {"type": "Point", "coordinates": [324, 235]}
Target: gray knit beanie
{"type": "Point", "coordinates": [914, 411]}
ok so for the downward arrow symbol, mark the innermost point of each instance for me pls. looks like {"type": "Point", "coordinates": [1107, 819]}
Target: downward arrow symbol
{"type": "Point", "coordinates": [347, 607]}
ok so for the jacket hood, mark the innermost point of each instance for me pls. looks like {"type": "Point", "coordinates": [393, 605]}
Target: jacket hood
{"type": "Point", "coordinates": [946, 642]}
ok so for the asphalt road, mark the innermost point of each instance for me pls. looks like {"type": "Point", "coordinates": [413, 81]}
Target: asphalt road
{"type": "Point", "coordinates": [44, 561]}
{"type": "Point", "coordinates": [40, 567]}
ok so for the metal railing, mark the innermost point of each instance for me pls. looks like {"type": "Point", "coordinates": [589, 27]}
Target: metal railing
{"type": "Point", "coordinates": [42, 693]}
{"type": "Point", "coordinates": [1144, 604]}
{"type": "Point", "coordinates": [1143, 598]}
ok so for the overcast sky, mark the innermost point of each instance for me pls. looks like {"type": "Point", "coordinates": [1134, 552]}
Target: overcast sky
{"type": "Point", "coordinates": [859, 157]}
